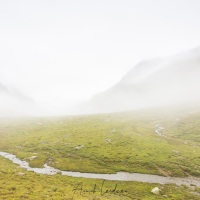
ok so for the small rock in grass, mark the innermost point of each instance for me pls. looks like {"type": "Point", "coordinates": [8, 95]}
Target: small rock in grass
{"type": "Point", "coordinates": [156, 190]}
{"type": "Point", "coordinates": [32, 157]}
{"type": "Point", "coordinates": [20, 173]}
{"type": "Point", "coordinates": [79, 147]}
{"type": "Point", "coordinates": [108, 140]}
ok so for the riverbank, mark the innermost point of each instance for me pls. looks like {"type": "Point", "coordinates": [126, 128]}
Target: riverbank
{"type": "Point", "coordinates": [119, 176]}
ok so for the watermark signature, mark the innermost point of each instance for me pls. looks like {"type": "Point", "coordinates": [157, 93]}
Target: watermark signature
{"type": "Point", "coordinates": [79, 189]}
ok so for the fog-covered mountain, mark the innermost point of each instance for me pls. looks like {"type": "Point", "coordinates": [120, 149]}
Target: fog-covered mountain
{"type": "Point", "coordinates": [157, 82]}
{"type": "Point", "coordinates": [14, 103]}
{"type": "Point", "coordinates": [173, 80]}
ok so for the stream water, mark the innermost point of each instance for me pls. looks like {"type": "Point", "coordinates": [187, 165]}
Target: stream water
{"type": "Point", "coordinates": [119, 176]}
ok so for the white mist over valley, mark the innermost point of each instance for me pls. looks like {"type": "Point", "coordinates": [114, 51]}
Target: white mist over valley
{"type": "Point", "coordinates": [100, 99]}
{"type": "Point", "coordinates": [169, 81]}
{"type": "Point", "coordinates": [63, 58]}
{"type": "Point", "coordinates": [157, 82]}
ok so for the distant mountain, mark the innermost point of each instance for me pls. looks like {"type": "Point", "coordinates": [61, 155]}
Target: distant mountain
{"type": "Point", "coordinates": [157, 82]}
{"type": "Point", "coordinates": [14, 103]}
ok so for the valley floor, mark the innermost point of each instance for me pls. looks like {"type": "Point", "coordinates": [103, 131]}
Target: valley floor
{"type": "Point", "coordinates": [101, 144]}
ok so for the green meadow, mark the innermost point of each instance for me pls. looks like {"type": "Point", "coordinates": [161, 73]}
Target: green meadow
{"type": "Point", "coordinates": [104, 143]}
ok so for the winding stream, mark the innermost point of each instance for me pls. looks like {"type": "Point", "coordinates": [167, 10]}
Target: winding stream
{"type": "Point", "coordinates": [119, 176]}
{"type": "Point", "coordinates": [158, 129]}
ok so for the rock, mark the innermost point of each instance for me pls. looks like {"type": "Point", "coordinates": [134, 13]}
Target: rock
{"type": "Point", "coordinates": [108, 140]}
{"type": "Point", "coordinates": [156, 190]}
{"type": "Point", "coordinates": [79, 147]}
{"type": "Point", "coordinates": [20, 173]}
{"type": "Point", "coordinates": [32, 157]}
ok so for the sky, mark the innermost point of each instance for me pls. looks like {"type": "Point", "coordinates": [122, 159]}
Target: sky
{"type": "Point", "coordinates": [60, 52]}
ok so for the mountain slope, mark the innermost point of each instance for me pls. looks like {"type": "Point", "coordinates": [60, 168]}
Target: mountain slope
{"type": "Point", "coordinates": [166, 81]}
{"type": "Point", "coordinates": [14, 103]}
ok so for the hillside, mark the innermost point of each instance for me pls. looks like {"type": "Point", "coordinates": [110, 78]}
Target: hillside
{"type": "Point", "coordinates": [157, 82]}
{"type": "Point", "coordinates": [14, 103]}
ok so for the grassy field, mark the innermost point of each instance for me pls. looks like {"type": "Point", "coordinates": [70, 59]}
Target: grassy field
{"type": "Point", "coordinates": [16, 184]}
{"type": "Point", "coordinates": [104, 143]}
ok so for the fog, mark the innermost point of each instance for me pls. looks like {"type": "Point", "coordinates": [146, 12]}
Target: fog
{"type": "Point", "coordinates": [75, 57]}
{"type": "Point", "coordinates": [160, 82]}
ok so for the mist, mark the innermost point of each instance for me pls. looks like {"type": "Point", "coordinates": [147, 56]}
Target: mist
{"type": "Point", "coordinates": [159, 82]}
{"type": "Point", "coordinates": [154, 83]}
{"type": "Point", "coordinates": [75, 57]}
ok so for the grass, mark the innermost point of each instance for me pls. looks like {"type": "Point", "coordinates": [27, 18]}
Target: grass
{"type": "Point", "coordinates": [110, 143]}
{"type": "Point", "coordinates": [14, 186]}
